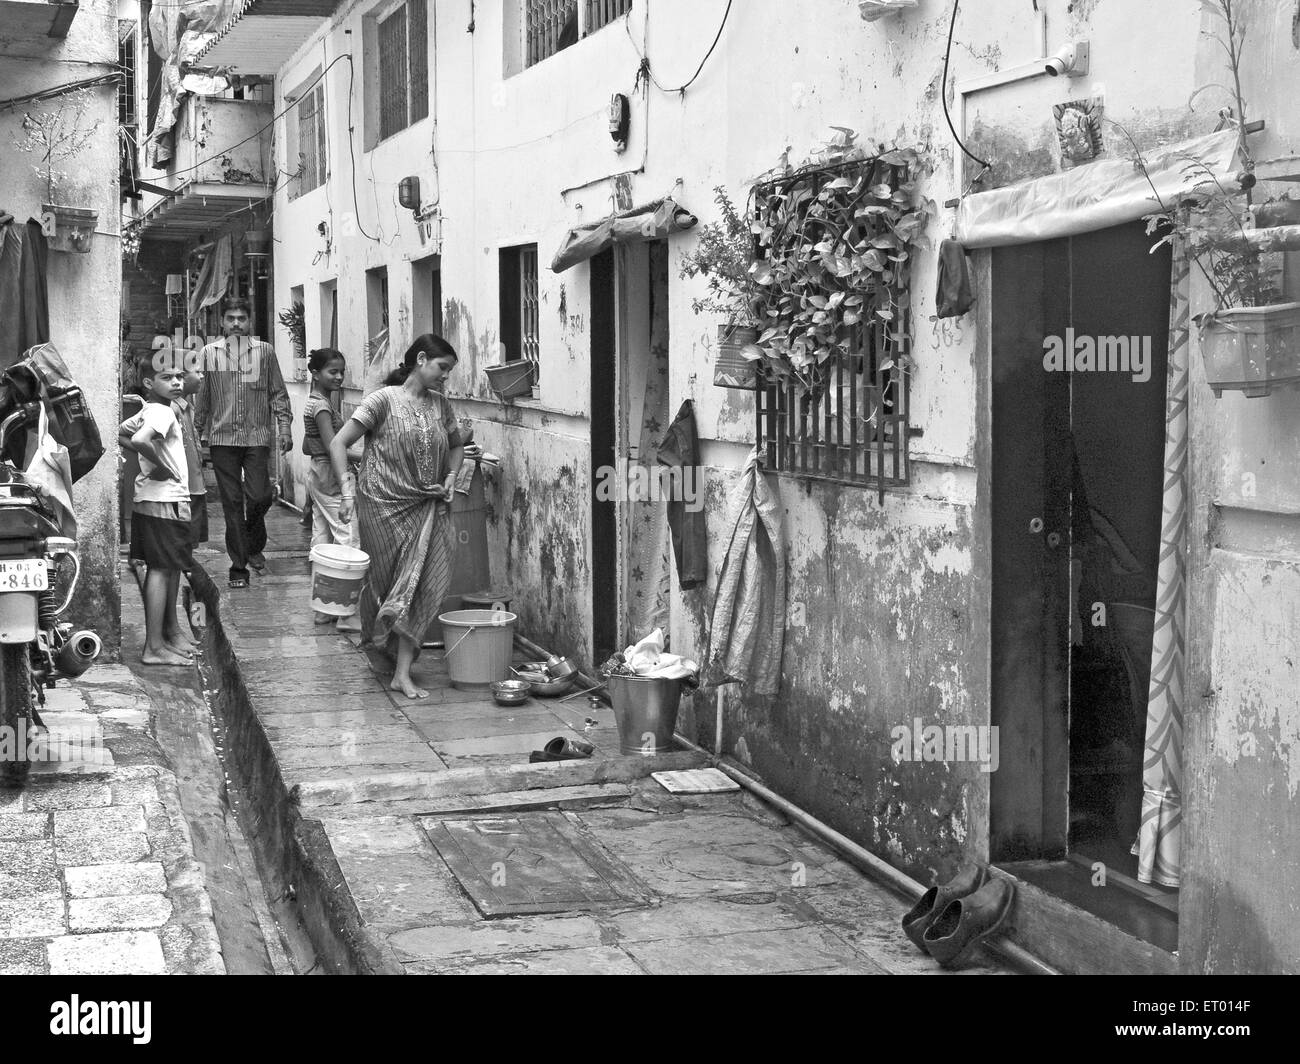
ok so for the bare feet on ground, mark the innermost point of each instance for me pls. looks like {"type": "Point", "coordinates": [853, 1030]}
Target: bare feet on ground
{"type": "Point", "coordinates": [408, 688]}
{"type": "Point", "coordinates": [183, 647]}
{"type": "Point", "coordinates": [166, 656]}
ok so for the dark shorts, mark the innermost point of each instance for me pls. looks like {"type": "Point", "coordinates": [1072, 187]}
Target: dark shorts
{"type": "Point", "coordinates": [198, 519]}
{"type": "Point", "coordinates": [161, 543]}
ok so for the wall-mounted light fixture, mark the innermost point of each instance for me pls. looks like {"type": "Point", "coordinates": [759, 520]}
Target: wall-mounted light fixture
{"type": "Point", "coordinates": [408, 193]}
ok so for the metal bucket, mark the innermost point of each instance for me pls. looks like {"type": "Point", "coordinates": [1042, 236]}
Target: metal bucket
{"type": "Point", "coordinates": [645, 708]}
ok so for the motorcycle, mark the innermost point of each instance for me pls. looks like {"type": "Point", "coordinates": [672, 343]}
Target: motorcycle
{"type": "Point", "coordinates": [47, 440]}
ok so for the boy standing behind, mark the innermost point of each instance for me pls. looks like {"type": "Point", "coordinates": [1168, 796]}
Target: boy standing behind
{"type": "Point", "coordinates": [160, 513]}
{"type": "Point", "coordinates": [193, 458]}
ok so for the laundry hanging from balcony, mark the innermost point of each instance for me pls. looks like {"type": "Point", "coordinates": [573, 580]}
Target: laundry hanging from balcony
{"type": "Point", "coordinates": [653, 221]}
{"type": "Point", "coordinates": [179, 31]}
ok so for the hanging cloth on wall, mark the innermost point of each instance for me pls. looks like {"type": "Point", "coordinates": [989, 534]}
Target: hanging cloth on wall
{"type": "Point", "coordinates": [747, 630]}
{"type": "Point", "coordinates": [214, 278]}
{"type": "Point", "coordinates": [1160, 831]}
{"type": "Point", "coordinates": [24, 294]}
{"type": "Point", "coordinates": [955, 295]}
{"type": "Point", "coordinates": [654, 221]}
{"type": "Point", "coordinates": [680, 451]}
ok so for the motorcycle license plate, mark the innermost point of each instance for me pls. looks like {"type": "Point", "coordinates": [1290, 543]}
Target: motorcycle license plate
{"type": "Point", "coordinates": [29, 574]}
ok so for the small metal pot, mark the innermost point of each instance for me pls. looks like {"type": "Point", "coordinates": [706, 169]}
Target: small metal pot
{"type": "Point", "coordinates": [559, 668]}
{"type": "Point", "coordinates": [511, 692]}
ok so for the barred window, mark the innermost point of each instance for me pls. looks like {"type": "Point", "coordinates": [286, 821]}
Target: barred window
{"type": "Point", "coordinates": [311, 140]}
{"type": "Point", "coordinates": [549, 26]}
{"type": "Point", "coordinates": [601, 13]}
{"type": "Point", "coordinates": [126, 57]}
{"type": "Point", "coordinates": [403, 68]}
{"type": "Point", "coordinates": [852, 427]}
{"type": "Point", "coordinates": [520, 304]}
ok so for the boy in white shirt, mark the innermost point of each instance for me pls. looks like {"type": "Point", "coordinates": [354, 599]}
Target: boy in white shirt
{"type": "Point", "coordinates": [160, 513]}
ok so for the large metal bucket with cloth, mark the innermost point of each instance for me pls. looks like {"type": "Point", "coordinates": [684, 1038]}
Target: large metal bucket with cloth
{"type": "Point", "coordinates": [645, 689]}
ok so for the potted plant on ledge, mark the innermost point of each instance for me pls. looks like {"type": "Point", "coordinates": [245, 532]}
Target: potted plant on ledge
{"type": "Point", "coordinates": [723, 256]}
{"type": "Point", "coordinates": [56, 137]}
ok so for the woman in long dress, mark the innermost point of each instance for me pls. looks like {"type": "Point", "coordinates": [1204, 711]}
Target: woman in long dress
{"type": "Point", "coordinates": [404, 491]}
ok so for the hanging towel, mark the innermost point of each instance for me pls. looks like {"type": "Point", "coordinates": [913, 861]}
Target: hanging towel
{"type": "Point", "coordinates": [954, 296]}
{"type": "Point", "coordinates": [214, 278]}
{"type": "Point", "coordinates": [680, 451]}
{"type": "Point", "coordinates": [11, 292]}
{"type": "Point", "coordinates": [747, 631]}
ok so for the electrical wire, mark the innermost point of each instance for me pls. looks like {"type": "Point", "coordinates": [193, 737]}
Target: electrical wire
{"type": "Point", "coordinates": [62, 90]}
{"type": "Point", "coordinates": [943, 91]}
{"type": "Point", "coordinates": [356, 206]}
{"type": "Point", "coordinates": [643, 71]}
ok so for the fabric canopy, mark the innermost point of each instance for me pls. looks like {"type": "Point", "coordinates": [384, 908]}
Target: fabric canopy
{"type": "Point", "coordinates": [651, 222]}
{"type": "Point", "coordinates": [1096, 196]}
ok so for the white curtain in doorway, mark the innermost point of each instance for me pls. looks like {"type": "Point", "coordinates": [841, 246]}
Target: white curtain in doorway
{"type": "Point", "coordinates": [1159, 842]}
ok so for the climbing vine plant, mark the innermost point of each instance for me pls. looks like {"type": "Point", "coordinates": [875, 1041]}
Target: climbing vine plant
{"type": "Point", "coordinates": [835, 238]}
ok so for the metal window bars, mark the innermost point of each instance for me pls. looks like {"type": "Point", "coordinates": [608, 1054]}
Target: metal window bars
{"type": "Point", "coordinates": [544, 24]}
{"type": "Point", "coordinates": [311, 140]}
{"type": "Point", "coordinates": [530, 313]}
{"type": "Point", "coordinates": [600, 13]}
{"type": "Point", "coordinates": [852, 426]}
{"type": "Point", "coordinates": [418, 22]}
{"type": "Point", "coordinates": [393, 79]}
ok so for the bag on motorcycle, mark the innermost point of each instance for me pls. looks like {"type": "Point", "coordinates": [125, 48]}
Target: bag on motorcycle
{"type": "Point", "coordinates": [42, 374]}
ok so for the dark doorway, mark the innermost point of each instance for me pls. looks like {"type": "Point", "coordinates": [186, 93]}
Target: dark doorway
{"type": "Point", "coordinates": [604, 511]}
{"type": "Point", "coordinates": [1078, 456]}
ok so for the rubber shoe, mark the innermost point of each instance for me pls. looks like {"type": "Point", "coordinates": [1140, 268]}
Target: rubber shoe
{"type": "Point", "coordinates": [968, 920]}
{"type": "Point", "coordinates": [933, 902]}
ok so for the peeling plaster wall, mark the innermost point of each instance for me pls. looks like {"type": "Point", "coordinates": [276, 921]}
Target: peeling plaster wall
{"type": "Point", "coordinates": [84, 290]}
{"type": "Point", "coordinates": [895, 598]}
{"type": "Point", "coordinates": [1240, 908]}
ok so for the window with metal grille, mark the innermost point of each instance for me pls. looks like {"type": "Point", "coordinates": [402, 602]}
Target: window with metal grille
{"type": "Point", "coordinates": [311, 140]}
{"type": "Point", "coordinates": [126, 55]}
{"type": "Point", "coordinates": [852, 426]}
{"type": "Point", "coordinates": [520, 304]}
{"type": "Point", "coordinates": [549, 27]}
{"type": "Point", "coordinates": [601, 13]}
{"type": "Point", "coordinates": [403, 67]}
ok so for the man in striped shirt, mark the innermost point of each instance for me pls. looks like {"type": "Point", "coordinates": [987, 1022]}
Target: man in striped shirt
{"type": "Point", "coordinates": [242, 391]}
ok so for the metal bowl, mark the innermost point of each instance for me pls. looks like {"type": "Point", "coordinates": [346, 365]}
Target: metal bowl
{"type": "Point", "coordinates": [534, 673]}
{"type": "Point", "coordinates": [511, 692]}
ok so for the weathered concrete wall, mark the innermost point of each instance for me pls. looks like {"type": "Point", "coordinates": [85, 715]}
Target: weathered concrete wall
{"type": "Point", "coordinates": [1240, 911]}
{"type": "Point", "coordinates": [83, 289]}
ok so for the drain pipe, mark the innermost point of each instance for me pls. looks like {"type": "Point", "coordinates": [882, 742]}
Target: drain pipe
{"type": "Point", "coordinates": [865, 860]}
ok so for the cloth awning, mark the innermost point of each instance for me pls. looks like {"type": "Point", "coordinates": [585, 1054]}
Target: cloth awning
{"type": "Point", "coordinates": [651, 222]}
{"type": "Point", "coordinates": [1095, 196]}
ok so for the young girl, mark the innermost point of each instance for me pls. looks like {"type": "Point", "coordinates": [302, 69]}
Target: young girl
{"type": "Point", "coordinates": [320, 423]}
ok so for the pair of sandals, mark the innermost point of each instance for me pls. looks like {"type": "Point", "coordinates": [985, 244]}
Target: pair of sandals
{"type": "Point", "coordinates": [562, 748]}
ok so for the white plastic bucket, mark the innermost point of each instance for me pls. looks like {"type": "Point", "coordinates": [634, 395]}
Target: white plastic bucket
{"type": "Point", "coordinates": [480, 646]}
{"type": "Point", "coordinates": [337, 573]}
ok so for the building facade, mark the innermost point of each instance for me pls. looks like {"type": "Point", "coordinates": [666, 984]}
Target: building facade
{"type": "Point", "coordinates": [58, 71]}
{"type": "Point", "coordinates": [429, 161]}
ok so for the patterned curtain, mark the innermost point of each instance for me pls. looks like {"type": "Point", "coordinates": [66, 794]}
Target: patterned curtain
{"type": "Point", "coordinates": [1159, 840]}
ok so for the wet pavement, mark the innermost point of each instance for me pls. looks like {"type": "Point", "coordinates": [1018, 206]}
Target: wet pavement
{"type": "Point", "coordinates": [461, 857]}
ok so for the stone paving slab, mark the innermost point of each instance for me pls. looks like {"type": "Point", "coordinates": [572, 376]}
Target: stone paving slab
{"type": "Point", "coordinates": [731, 885]}
{"type": "Point", "coordinates": [96, 869]}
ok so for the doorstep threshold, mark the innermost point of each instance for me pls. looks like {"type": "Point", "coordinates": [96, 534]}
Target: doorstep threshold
{"type": "Point", "coordinates": [1083, 925]}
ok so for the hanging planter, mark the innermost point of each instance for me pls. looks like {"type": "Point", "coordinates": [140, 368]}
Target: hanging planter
{"type": "Point", "coordinates": [257, 241]}
{"type": "Point", "coordinates": [1252, 349]}
{"type": "Point", "coordinates": [69, 228]}
{"type": "Point", "coordinates": [511, 380]}
{"type": "Point", "coordinates": [732, 369]}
